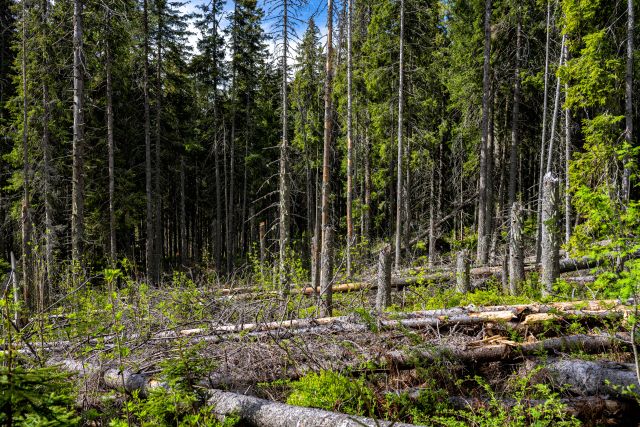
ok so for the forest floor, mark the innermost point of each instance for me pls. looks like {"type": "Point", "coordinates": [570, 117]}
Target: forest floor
{"type": "Point", "coordinates": [435, 357]}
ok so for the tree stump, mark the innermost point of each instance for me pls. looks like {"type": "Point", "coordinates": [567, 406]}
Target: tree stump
{"type": "Point", "coordinates": [383, 298]}
{"type": "Point", "coordinates": [550, 243]}
{"type": "Point", "coordinates": [516, 249]}
{"type": "Point", "coordinates": [462, 272]}
{"type": "Point", "coordinates": [326, 273]}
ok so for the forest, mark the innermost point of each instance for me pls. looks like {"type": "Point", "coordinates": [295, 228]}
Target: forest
{"type": "Point", "coordinates": [319, 213]}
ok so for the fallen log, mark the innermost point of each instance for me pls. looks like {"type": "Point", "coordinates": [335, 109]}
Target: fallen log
{"type": "Point", "coordinates": [252, 410]}
{"type": "Point", "coordinates": [498, 349]}
{"type": "Point", "coordinates": [591, 378]}
{"type": "Point", "coordinates": [595, 410]}
{"type": "Point", "coordinates": [517, 315]}
{"type": "Point", "coordinates": [265, 413]}
{"type": "Point", "coordinates": [123, 380]}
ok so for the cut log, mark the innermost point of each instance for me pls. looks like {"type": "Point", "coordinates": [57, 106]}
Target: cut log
{"type": "Point", "coordinates": [265, 413]}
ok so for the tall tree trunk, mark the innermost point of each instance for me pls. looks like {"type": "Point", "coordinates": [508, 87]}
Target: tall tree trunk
{"type": "Point", "coordinates": [483, 207]}
{"type": "Point", "coordinates": [27, 255]}
{"type": "Point", "coordinates": [399, 195]}
{"type": "Point", "coordinates": [567, 160]}
{"type": "Point", "coordinates": [46, 174]}
{"type": "Point", "coordinates": [543, 140]}
{"type": "Point", "coordinates": [628, 102]}
{"type": "Point", "coordinates": [216, 146]}
{"type": "Point", "coordinates": [147, 150]}
{"type": "Point", "coordinates": [284, 160]}
{"type": "Point", "coordinates": [326, 291]}
{"type": "Point", "coordinates": [110, 149]}
{"type": "Point", "coordinates": [183, 215]}
{"type": "Point", "coordinates": [349, 137]}
{"type": "Point", "coordinates": [77, 196]}
{"type": "Point", "coordinates": [515, 132]}
{"type": "Point", "coordinates": [432, 215]}
{"type": "Point", "coordinates": [556, 107]}
{"type": "Point", "coordinates": [367, 186]}
{"type": "Point", "coordinates": [157, 245]}
{"type": "Point", "coordinates": [230, 202]}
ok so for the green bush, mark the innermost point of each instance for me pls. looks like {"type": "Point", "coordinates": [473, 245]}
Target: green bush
{"type": "Point", "coordinates": [334, 392]}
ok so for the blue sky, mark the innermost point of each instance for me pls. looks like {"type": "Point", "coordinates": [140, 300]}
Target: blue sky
{"type": "Point", "coordinates": [315, 8]}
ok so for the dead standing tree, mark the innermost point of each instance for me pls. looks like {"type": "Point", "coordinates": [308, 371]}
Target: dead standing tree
{"type": "Point", "coordinates": [325, 263]}
{"type": "Point", "coordinates": [550, 244]}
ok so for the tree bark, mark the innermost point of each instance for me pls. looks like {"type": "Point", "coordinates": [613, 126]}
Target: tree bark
{"type": "Point", "coordinates": [483, 206]}
{"type": "Point", "coordinates": [515, 119]}
{"type": "Point", "coordinates": [556, 107]}
{"type": "Point", "coordinates": [516, 249]}
{"type": "Point", "coordinates": [349, 138]}
{"type": "Point", "coordinates": [325, 267]}
{"type": "Point", "coordinates": [399, 195]}
{"type": "Point", "coordinates": [27, 253]}
{"type": "Point", "coordinates": [77, 196]}
{"type": "Point", "coordinates": [284, 161]}
{"type": "Point", "coordinates": [326, 272]}
{"type": "Point", "coordinates": [383, 298]}
{"type": "Point", "coordinates": [147, 150]}
{"type": "Point", "coordinates": [265, 413]}
{"type": "Point", "coordinates": [47, 176]}
{"type": "Point", "coordinates": [110, 148]}
{"type": "Point", "coordinates": [157, 244]}
{"type": "Point", "coordinates": [543, 141]}
{"type": "Point", "coordinates": [462, 272]}
{"type": "Point", "coordinates": [550, 234]}
{"type": "Point", "coordinates": [628, 102]}
{"type": "Point", "coordinates": [503, 351]}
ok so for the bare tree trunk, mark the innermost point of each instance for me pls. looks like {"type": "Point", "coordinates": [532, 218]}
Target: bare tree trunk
{"type": "Point", "coordinates": [550, 234]}
{"type": "Point", "coordinates": [147, 149]}
{"type": "Point", "coordinates": [325, 267]}
{"type": "Point", "coordinates": [218, 224]}
{"type": "Point", "coordinates": [483, 208]}
{"type": "Point", "coordinates": [556, 107]}
{"type": "Point", "coordinates": [183, 215]}
{"type": "Point", "coordinates": [349, 138]}
{"type": "Point", "coordinates": [157, 245]}
{"type": "Point", "coordinates": [46, 157]}
{"type": "Point", "coordinates": [399, 204]}
{"type": "Point", "coordinates": [628, 102]}
{"type": "Point", "coordinates": [567, 161]}
{"type": "Point", "coordinates": [383, 297]}
{"type": "Point", "coordinates": [462, 272]}
{"type": "Point", "coordinates": [516, 249]}
{"type": "Point", "coordinates": [284, 160]}
{"type": "Point", "coordinates": [110, 148]}
{"type": "Point", "coordinates": [543, 141]}
{"type": "Point", "coordinates": [263, 248]}
{"type": "Point", "coordinates": [515, 131]}
{"type": "Point", "coordinates": [216, 146]}
{"type": "Point", "coordinates": [27, 255]}
{"type": "Point", "coordinates": [432, 216]}
{"type": "Point", "coordinates": [77, 197]}
{"type": "Point", "coordinates": [230, 202]}
{"type": "Point", "coordinates": [367, 186]}
{"type": "Point", "coordinates": [326, 272]}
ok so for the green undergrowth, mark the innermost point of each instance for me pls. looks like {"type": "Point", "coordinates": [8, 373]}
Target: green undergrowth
{"type": "Point", "coordinates": [429, 404]}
